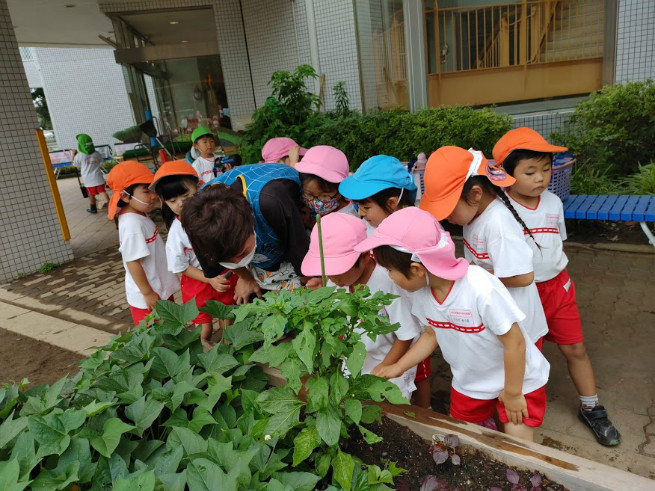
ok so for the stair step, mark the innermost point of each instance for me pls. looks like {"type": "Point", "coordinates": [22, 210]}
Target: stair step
{"type": "Point", "coordinates": [576, 42]}
{"type": "Point", "coordinates": [572, 54]}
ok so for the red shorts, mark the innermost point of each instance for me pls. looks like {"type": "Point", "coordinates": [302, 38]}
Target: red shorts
{"type": "Point", "coordinates": [558, 299]}
{"type": "Point", "coordinates": [139, 314]}
{"type": "Point", "coordinates": [423, 370]}
{"type": "Point", "coordinates": [466, 408]}
{"type": "Point", "coordinates": [204, 291]}
{"type": "Point", "coordinates": [95, 190]}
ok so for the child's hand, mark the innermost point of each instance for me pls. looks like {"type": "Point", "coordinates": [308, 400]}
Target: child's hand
{"type": "Point", "coordinates": [294, 155]}
{"type": "Point", "coordinates": [244, 288]}
{"type": "Point", "coordinates": [314, 283]}
{"type": "Point", "coordinates": [151, 300]}
{"type": "Point", "coordinates": [515, 407]}
{"type": "Point", "coordinates": [387, 371]}
{"type": "Point", "coordinates": [219, 283]}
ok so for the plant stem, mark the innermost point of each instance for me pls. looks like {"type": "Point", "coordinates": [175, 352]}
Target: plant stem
{"type": "Point", "coordinates": [320, 248]}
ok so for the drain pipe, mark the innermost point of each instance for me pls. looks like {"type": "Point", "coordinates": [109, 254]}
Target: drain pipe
{"type": "Point", "coordinates": [313, 42]}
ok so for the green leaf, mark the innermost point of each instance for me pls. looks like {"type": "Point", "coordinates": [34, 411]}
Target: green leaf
{"type": "Point", "coordinates": [355, 361]}
{"type": "Point", "coordinates": [173, 482]}
{"type": "Point", "coordinates": [56, 479]}
{"type": "Point", "coordinates": [369, 436]}
{"type": "Point", "coordinates": [328, 425]}
{"type": "Point", "coordinates": [410, 414]}
{"type": "Point", "coordinates": [240, 335]}
{"type": "Point", "coordinates": [292, 370]}
{"type": "Point", "coordinates": [218, 385]}
{"type": "Point", "coordinates": [339, 386]}
{"type": "Point", "coordinates": [167, 364]}
{"type": "Point", "coordinates": [383, 389]}
{"type": "Point", "coordinates": [106, 443]}
{"type": "Point", "coordinates": [305, 344]}
{"type": "Point", "coordinates": [96, 407]}
{"type": "Point", "coordinates": [353, 408]}
{"type": "Point", "coordinates": [278, 399]}
{"type": "Point", "coordinates": [10, 428]}
{"type": "Point", "coordinates": [48, 399]}
{"type": "Point", "coordinates": [323, 464]}
{"type": "Point", "coordinates": [9, 474]}
{"type": "Point", "coordinates": [144, 481]}
{"type": "Point", "coordinates": [201, 418]}
{"type": "Point", "coordinates": [176, 316]}
{"type": "Point", "coordinates": [205, 475]}
{"type": "Point", "coordinates": [305, 443]}
{"type": "Point", "coordinates": [275, 485]}
{"type": "Point", "coordinates": [370, 414]}
{"type": "Point", "coordinates": [180, 391]}
{"type": "Point", "coordinates": [213, 361]}
{"type": "Point", "coordinates": [166, 459]}
{"type": "Point", "coordinates": [299, 481]}
{"type": "Point", "coordinates": [24, 452]}
{"type": "Point", "coordinates": [8, 399]}
{"type": "Point", "coordinates": [280, 423]}
{"type": "Point", "coordinates": [143, 413]}
{"type": "Point", "coordinates": [318, 393]}
{"type": "Point", "coordinates": [273, 327]}
{"type": "Point", "coordinates": [237, 461]}
{"type": "Point", "coordinates": [344, 466]}
{"type": "Point", "coordinates": [52, 431]}
{"type": "Point", "coordinates": [78, 451]}
{"type": "Point", "coordinates": [218, 310]}
{"type": "Point", "coordinates": [191, 442]}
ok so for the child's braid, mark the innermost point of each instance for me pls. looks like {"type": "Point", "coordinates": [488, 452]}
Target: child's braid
{"type": "Point", "coordinates": [503, 197]}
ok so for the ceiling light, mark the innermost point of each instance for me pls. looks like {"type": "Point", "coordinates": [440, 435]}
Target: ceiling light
{"type": "Point", "coordinates": [185, 41]}
{"type": "Point", "coordinates": [174, 22]}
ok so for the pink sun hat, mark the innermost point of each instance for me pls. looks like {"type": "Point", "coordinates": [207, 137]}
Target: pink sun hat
{"type": "Point", "coordinates": [277, 148]}
{"type": "Point", "coordinates": [341, 233]}
{"type": "Point", "coordinates": [326, 162]}
{"type": "Point", "coordinates": [417, 232]}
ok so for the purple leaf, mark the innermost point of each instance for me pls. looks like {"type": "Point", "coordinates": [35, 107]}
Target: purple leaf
{"type": "Point", "coordinates": [454, 458]}
{"type": "Point", "coordinates": [495, 488]}
{"type": "Point", "coordinates": [451, 440]}
{"type": "Point", "coordinates": [518, 487]}
{"type": "Point", "coordinates": [536, 480]}
{"type": "Point", "coordinates": [512, 476]}
{"type": "Point", "coordinates": [440, 456]}
{"type": "Point", "coordinates": [433, 483]}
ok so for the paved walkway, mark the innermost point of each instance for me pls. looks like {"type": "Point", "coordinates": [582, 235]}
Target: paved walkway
{"type": "Point", "coordinates": [80, 304]}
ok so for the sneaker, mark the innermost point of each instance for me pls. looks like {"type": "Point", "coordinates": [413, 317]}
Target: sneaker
{"type": "Point", "coordinates": [603, 429]}
{"type": "Point", "coordinates": [93, 210]}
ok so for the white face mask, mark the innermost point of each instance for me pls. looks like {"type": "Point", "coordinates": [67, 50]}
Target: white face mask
{"type": "Point", "coordinates": [136, 199]}
{"type": "Point", "coordinates": [244, 262]}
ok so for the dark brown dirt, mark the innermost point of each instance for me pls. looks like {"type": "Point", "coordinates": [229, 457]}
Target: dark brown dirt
{"type": "Point", "coordinates": [407, 450]}
{"type": "Point", "coordinates": [39, 362]}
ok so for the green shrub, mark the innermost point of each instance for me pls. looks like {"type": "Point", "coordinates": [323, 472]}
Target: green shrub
{"type": "Point", "coordinates": [641, 182]}
{"type": "Point", "coordinates": [615, 128]}
{"type": "Point", "coordinates": [593, 180]}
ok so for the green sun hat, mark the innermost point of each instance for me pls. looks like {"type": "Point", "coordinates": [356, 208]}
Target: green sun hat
{"type": "Point", "coordinates": [85, 144]}
{"type": "Point", "coordinates": [201, 131]}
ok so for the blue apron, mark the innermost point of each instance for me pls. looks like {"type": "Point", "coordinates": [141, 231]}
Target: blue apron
{"type": "Point", "coordinates": [254, 177]}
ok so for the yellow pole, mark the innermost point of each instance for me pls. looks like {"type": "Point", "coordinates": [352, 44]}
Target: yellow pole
{"type": "Point", "coordinates": [53, 185]}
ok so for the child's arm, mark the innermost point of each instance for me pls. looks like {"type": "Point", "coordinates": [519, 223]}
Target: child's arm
{"type": "Point", "coordinates": [423, 348]}
{"type": "Point", "coordinates": [512, 395]}
{"type": "Point", "coordinates": [246, 286]}
{"type": "Point", "coordinates": [398, 349]}
{"type": "Point", "coordinates": [139, 276]}
{"type": "Point", "coordinates": [518, 280]}
{"type": "Point", "coordinates": [219, 283]}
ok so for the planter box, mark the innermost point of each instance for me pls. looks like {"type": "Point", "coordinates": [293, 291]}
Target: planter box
{"type": "Point", "coordinates": [569, 470]}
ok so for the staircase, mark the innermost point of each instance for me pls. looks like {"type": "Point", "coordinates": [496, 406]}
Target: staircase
{"type": "Point", "coordinates": [576, 33]}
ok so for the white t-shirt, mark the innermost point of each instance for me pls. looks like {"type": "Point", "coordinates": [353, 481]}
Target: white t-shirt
{"type": "Point", "coordinates": [398, 311]}
{"type": "Point", "coordinates": [467, 324]}
{"type": "Point", "coordinates": [179, 252]}
{"type": "Point", "coordinates": [139, 240]}
{"type": "Point", "coordinates": [349, 209]}
{"type": "Point", "coordinates": [89, 166]}
{"type": "Point", "coordinates": [546, 224]}
{"type": "Point", "coordinates": [494, 241]}
{"type": "Point", "coordinates": [205, 168]}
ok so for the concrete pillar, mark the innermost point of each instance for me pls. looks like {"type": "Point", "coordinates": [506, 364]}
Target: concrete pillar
{"type": "Point", "coordinates": [29, 230]}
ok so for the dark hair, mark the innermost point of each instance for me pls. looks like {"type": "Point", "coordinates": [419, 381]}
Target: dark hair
{"type": "Point", "coordinates": [218, 221]}
{"type": "Point", "coordinates": [486, 185]}
{"type": "Point", "coordinates": [390, 258]}
{"type": "Point", "coordinates": [382, 198]}
{"type": "Point", "coordinates": [512, 160]}
{"type": "Point", "coordinates": [122, 204]}
{"type": "Point", "coordinates": [170, 187]}
{"type": "Point", "coordinates": [325, 186]}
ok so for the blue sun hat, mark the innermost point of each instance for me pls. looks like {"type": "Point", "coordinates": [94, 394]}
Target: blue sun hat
{"type": "Point", "coordinates": [376, 174]}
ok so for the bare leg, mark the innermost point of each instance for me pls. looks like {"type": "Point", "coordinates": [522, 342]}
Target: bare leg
{"type": "Point", "coordinates": [580, 368]}
{"type": "Point", "coordinates": [522, 431]}
{"type": "Point", "coordinates": [206, 336]}
{"type": "Point", "coordinates": [105, 196]}
{"type": "Point", "coordinates": [423, 394]}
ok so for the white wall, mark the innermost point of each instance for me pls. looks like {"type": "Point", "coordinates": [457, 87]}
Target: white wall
{"type": "Point", "coordinates": [86, 93]}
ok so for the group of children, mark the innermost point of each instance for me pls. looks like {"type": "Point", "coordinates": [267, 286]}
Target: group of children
{"type": "Point", "coordinates": [488, 312]}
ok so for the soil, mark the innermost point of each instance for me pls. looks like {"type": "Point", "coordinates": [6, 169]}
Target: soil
{"type": "Point", "coordinates": [407, 450]}
{"type": "Point", "coordinates": [39, 362]}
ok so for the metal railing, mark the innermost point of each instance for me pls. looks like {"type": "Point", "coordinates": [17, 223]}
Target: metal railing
{"type": "Point", "coordinates": [389, 52]}
{"type": "Point", "coordinates": [514, 34]}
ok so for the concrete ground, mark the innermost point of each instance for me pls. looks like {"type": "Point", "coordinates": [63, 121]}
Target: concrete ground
{"type": "Point", "coordinates": [81, 304]}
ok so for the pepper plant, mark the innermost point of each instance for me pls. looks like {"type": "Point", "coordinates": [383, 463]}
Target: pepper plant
{"type": "Point", "coordinates": [151, 410]}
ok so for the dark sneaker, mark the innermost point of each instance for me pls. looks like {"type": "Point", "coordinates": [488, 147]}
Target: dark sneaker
{"type": "Point", "coordinates": [603, 429]}
{"type": "Point", "coordinates": [93, 210]}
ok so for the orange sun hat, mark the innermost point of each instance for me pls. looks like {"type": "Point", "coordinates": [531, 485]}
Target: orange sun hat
{"type": "Point", "coordinates": [522, 139]}
{"type": "Point", "coordinates": [173, 168]}
{"type": "Point", "coordinates": [446, 173]}
{"type": "Point", "coordinates": [121, 177]}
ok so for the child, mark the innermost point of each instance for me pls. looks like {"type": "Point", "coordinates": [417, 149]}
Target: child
{"type": "Point", "coordinates": [282, 151]}
{"type": "Point", "coordinates": [205, 143]}
{"type": "Point", "coordinates": [471, 316]}
{"type": "Point", "coordinates": [462, 185]}
{"type": "Point", "coordinates": [347, 268]}
{"type": "Point", "coordinates": [381, 186]}
{"type": "Point", "coordinates": [89, 162]}
{"type": "Point", "coordinates": [144, 255]}
{"type": "Point", "coordinates": [525, 155]}
{"type": "Point", "coordinates": [321, 170]}
{"type": "Point", "coordinates": [174, 182]}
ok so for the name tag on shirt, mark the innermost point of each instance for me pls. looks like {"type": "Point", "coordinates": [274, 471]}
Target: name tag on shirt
{"type": "Point", "coordinates": [461, 317]}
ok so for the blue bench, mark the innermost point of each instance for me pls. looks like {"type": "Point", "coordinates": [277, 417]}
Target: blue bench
{"type": "Point", "coordinates": [616, 208]}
